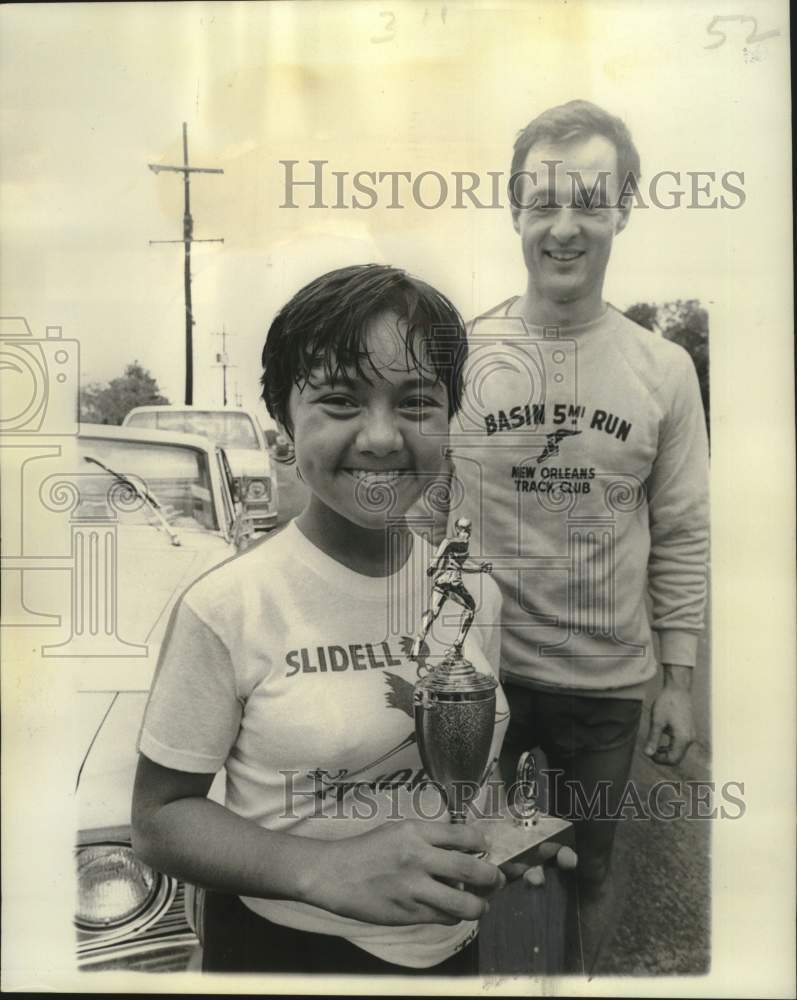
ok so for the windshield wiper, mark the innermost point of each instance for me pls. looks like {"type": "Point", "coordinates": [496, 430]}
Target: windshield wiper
{"type": "Point", "coordinates": [142, 494]}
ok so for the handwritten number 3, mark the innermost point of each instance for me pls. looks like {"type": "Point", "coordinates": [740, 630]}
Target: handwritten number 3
{"type": "Point", "coordinates": [391, 20]}
{"type": "Point", "coordinates": [752, 37]}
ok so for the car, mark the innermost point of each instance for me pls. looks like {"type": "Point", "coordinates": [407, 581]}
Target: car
{"type": "Point", "coordinates": [239, 432]}
{"type": "Point", "coordinates": [173, 518]}
{"type": "Point", "coordinates": [268, 426]}
{"type": "Point", "coordinates": [283, 449]}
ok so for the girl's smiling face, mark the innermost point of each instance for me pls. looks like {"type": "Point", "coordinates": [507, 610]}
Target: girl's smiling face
{"type": "Point", "coordinates": [367, 443]}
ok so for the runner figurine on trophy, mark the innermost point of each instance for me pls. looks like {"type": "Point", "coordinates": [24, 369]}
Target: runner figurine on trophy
{"type": "Point", "coordinates": [447, 569]}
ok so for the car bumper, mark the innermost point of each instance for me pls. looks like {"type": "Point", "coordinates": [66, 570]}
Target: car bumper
{"type": "Point", "coordinates": [166, 946]}
{"type": "Point", "coordinates": [262, 515]}
{"type": "Point", "coordinates": [262, 521]}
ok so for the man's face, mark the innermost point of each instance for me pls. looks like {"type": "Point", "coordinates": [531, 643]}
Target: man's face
{"type": "Point", "coordinates": [566, 235]}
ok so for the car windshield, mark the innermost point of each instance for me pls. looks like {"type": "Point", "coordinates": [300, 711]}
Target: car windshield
{"type": "Point", "coordinates": [231, 430]}
{"type": "Point", "coordinates": [178, 477]}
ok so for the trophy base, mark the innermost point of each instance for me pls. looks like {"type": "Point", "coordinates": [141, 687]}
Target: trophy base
{"type": "Point", "coordinates": [507, 840]}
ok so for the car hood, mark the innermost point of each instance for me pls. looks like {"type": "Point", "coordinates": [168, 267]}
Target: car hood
{"type": "Point", "coordinates": [152, 573]}
{"type": "Point", "coordinates": [107, 726]}
{"type": "Point", "coordinates": [248, 462]}
{"type": "Point", "coordinates": [106, 731]}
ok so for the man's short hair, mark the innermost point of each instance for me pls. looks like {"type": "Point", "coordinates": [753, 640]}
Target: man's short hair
{"type": "Point", "coordinates": [324, 327]}
{"type": "Point", "coordinates": [578, 120]}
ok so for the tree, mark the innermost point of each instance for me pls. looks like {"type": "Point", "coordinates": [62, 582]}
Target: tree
{"type": "Point", "coordinates": [644, 314]}
{"type": "Point", "coordinates": [110, 403]}
{"type": "Point", "coordinates": [684, 322]}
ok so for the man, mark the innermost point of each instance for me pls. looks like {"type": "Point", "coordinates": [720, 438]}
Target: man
{"type": "Point", "coordinates": [583, 460]}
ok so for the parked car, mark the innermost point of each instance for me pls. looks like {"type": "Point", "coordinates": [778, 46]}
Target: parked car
{"type": "Point", "coordinates": [268, 426]}
{"type": "Point", "coordinates": [240, 434]}
{"type": "Point", "coordinates": [177, 519]}
{"type": "Point", "coordinates": [283, 448]}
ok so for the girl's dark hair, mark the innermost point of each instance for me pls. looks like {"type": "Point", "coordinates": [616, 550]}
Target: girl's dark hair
{"type": "Point", "coordinates": [325, 323]}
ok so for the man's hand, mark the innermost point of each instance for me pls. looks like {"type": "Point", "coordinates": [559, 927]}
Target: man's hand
{"type": "Point", "coordinates": [406, 873]}
{"type": "Point", "coordinates": [672, 727]}
{"type": "Point", "coordinates": [534, 875]}
{"type": "Point", "coordinates": [486, 567]}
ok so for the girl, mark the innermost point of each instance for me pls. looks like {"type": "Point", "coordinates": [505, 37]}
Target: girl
{"type": "Point", "coordinates": [331, 853]}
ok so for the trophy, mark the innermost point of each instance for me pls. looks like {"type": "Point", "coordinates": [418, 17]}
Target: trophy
{"type": "Point", "coordinates": [454, 719]}
{"type": "Point", "coordinates": [454, 708]}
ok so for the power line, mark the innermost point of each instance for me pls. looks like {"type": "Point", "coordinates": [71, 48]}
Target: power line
{"type": "Point", "coordinates": [187, 240]}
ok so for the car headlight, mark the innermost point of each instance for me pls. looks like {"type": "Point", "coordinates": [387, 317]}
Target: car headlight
{"type": "Point", "coordinates": [115, 889]}
{"type": "Point", "coordinates": [258, 489]}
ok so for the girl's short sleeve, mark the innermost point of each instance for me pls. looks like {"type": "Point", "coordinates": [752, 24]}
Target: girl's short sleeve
{"type": "Point", "coordinates": [194, 712]}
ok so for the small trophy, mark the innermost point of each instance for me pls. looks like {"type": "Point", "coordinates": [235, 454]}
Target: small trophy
{"type": "Point", "coordinates": [454, 706]}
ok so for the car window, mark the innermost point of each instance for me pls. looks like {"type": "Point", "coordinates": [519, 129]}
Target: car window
{"type": "Point", "coordinates": [178, 478]}
{"type": "Point", "coordinates": [230, 429]}
{"type": "Point", "coordinates": [142, 420]}
{"type": "Point", "coordinates": [177, 421]}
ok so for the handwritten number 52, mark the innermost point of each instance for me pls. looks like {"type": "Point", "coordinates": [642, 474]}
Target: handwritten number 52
{"type": "Point", "coordinates": [752, 37]}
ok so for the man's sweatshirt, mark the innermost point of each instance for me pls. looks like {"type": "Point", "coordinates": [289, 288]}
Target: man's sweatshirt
{"type": "Point", "coordinates": [581, 458]}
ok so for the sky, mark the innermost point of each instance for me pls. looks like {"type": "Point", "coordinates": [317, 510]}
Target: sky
{"type": "Point", "coordinates": [93, 93]}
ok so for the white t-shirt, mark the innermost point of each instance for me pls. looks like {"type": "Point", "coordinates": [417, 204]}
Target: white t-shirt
{"type": "Point", "coordinates": [291, 671]}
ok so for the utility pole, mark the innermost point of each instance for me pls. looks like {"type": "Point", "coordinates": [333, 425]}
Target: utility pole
{"type": "Point", "coordinates": [222, 362]}
{"type": "Point", "coordinates": [187, 240]}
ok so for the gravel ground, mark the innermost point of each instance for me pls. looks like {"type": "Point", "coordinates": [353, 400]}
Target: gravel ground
{"type": "Point", "coordinates": [662, 922]}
